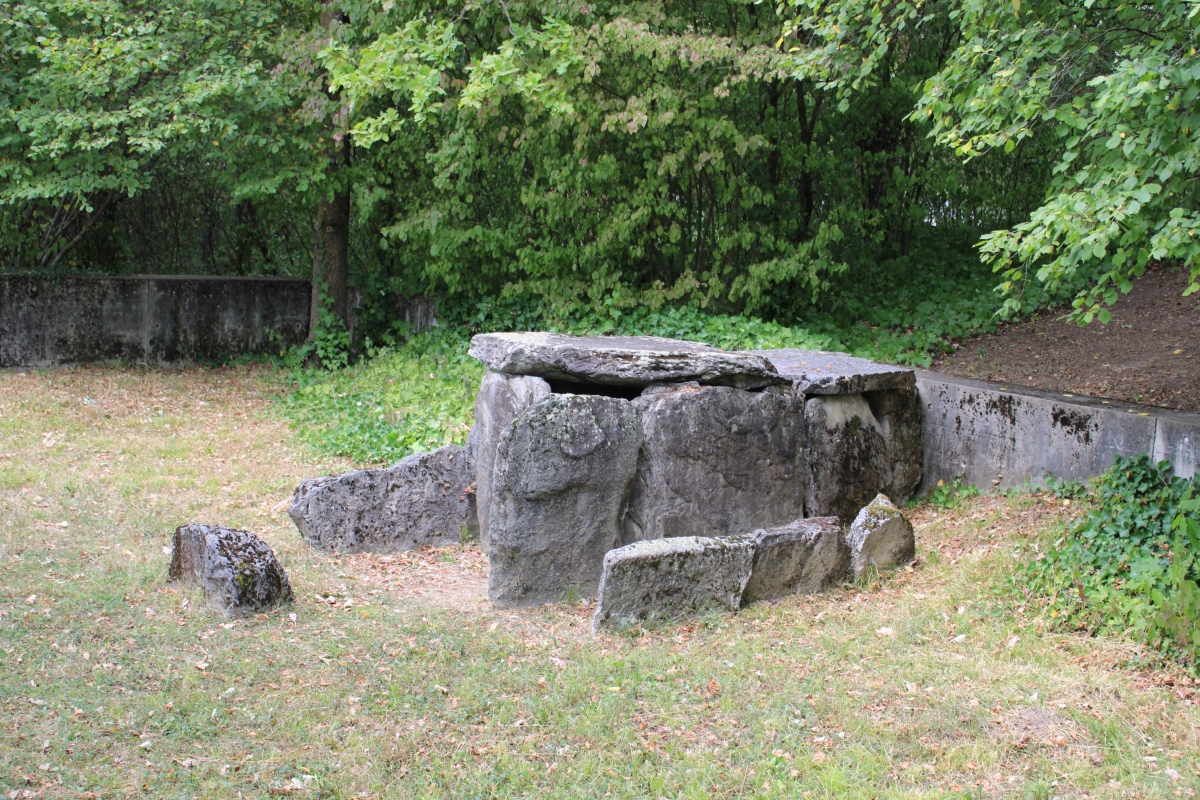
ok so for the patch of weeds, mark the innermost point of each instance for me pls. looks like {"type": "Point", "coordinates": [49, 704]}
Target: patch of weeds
{"type": "Point", "coordinates": [1131, 565]}
{"type": "Point", "coordinates": [1066, 490]}
{"type": "Point", "coordinates": [417, 397]}
{"type": "Point", "coordinates": [951, 495]}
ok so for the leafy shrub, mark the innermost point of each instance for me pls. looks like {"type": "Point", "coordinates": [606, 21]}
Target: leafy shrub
{"type": "Point", "coordinates": [1132, 563]}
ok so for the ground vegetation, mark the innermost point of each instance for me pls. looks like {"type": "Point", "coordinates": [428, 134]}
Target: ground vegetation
{"type": "Point", "coordinates": [393, 678]}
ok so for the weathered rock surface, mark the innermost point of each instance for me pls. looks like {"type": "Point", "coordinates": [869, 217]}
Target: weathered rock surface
{"type": "Point", "coordinates": [671, 579]}
{"type": "Point", "coordinates": [888, 443]}
{"type": "Point", "coordinates": [803, 557]}
{"type": "Point", "coordinates": [237, 571]}
{"type": "Point", "coordinates": [420, 501]}
{"type": "Point", "coordinates": [899, 413]}
{"type": "Point", "coordinates": [881, 536]}
{"type": "Point", "coordinates": [620, 360]}
{"type": "Point", "coordinates": [500, 400]}
{"type": "Point", "coordinates": [562, 478]}
{"type": "Point", "coordinates": [847, 455]}
{"type": "Point", "coordinates": [716, 460]}
{"type": "Point", "coordinates": [817, 372]}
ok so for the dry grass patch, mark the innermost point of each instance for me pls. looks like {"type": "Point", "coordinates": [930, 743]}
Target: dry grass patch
{"type": "Point", "coordinates": [393, 680]}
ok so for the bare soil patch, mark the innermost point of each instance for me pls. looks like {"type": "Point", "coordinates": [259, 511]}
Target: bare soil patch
{"type": "Point", "coordinates": [1149, 353]}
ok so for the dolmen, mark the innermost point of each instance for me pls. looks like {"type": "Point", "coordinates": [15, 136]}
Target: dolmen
{"type": "Point", "coordinates": [585, 446]}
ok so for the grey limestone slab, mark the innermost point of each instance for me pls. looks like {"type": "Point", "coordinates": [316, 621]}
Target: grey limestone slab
{"type": "Point", "coordinates": [671, 579]}
{"type": "Point", "coordinates": [620, 360]}
{"type": "Point", "coordinates": [819, 372]}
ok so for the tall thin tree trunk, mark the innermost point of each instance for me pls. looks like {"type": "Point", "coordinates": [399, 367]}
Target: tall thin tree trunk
{"type": "Point", "coordinates": [331, 256]}
{"type": "Point", "coordinates": [331, 240]}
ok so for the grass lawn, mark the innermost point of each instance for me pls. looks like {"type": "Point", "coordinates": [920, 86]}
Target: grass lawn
{"type": "Point", "coordinates": [391, 677]}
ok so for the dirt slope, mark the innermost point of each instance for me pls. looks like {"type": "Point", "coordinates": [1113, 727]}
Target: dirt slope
{"type": "Point", "coordinates": [1149, 353]}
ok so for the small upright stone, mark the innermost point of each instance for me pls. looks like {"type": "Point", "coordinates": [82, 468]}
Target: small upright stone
{"type": "Point", "coordinates": [672, 579]}
{"type": "Point", "coordinates": [422, 500]}
{"type": "Point", "coordinates": [881, 536]}
{"type": "Point", "coordinates": [802, 557]}
{"type": "Point", "coordinates": [500, 400]}
{"type": "Point", "coordinates": [237, 571]}
{"type": "Point", "coordinates": [563, 474]}
{"type": "Point", "coordinates": [620, 360]}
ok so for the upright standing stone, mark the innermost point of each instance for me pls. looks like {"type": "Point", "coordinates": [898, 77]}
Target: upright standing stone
{"type": "Point", "coordinates": [500, 400]}
{"type": "Point", "coordinates": [562, 477]}
{"type": "Point", "coordinates": [881, 536]}
{"type": "Point", "coordinates": [887, 441]}
{"type": "Point", "coordinates": [803, 557]}
{"type": "Point", "coordinates": [420, 501]}
{"type": "Point", "coordinates": [237, 571]}
{"type": "Point", "coordinates": [717, 460]}
{"type": "Point", "coordinates": [620, 360]}
{"type": "Point", "coordinates": [847, 455]}
{"type": "Point", "coordinates": [899, 413]}
{"type": "Point", "coordinates": [671, 579]}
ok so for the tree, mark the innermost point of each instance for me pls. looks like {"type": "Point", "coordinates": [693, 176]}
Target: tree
{"type": "Point", "coordinates": [617, 155]}
{"type": "Point", "coordinates": [95, 92]}
{"type": "Point", "coordinates": [1114, 89]}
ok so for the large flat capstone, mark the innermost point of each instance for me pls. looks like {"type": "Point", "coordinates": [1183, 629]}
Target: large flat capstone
{"type": "Point", "coordinates": [237, 571]}
{"type": "Point", "coordinates": [563, 473]}
{"type": "Point", "coordinates": [819, 372]}
{"type": "Point", "coordinates": [500, 400]}
{"type": "Point", "coordinates": [670, 579]}
{"type": "Point", "coordinates": [420, 501]}
{"type": "Point", "coordinates": [621, 360]}
{"type": "Point", "coordinates": [803, 557]}
{"type": "Point", "coordinates": [717, 460]}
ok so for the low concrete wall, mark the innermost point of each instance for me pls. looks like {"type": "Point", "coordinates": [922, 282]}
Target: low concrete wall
{"type": "Point", "coordinates": [998, 436]}
{"type": "Point", "coordinates": [147, 319]}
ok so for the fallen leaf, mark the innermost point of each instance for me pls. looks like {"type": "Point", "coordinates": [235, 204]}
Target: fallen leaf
{"type": "Point", "coordinates": [886, 632]}
{"type": "Point", "coordinates": [819, 757]}
{"type": "Point", "coordinates": [202, 665]}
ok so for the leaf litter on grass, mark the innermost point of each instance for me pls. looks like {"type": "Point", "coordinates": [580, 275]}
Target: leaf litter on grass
{"type": "Point", "coordinates": [365, 686]}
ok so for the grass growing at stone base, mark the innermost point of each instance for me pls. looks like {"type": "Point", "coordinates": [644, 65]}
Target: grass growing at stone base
{"type": "Point", "coordinates": [929, 683]}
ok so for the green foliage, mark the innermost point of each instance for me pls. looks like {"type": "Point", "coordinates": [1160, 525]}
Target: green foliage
{"type": "Point", "coordinates": [1111, 91]}
{"type": "Point", "coordinates": [952, 495]}
{"type": "Point", "coordinates": [649, 155]}
{"type": "Point", "coordinates": [415, 398]}
{"type": "Point", "coordinates": [1132, 563]}
{"type": "Point", "coordinates": [96, 93]}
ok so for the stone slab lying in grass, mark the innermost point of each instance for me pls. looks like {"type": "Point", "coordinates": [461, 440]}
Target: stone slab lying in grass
{"type": "Point", "coordinates": [716, 460]}
{"type": "Point", "coordinates": [803, 557]}
{"type": "Point", "coordinates": [500, 400]}
{"type": "Point", "coordinates": [237, 571]}
{"type": "Point", "coordinates": [420, 501]}
{"type": "Point", "coordinates": [817, 372]}
{"type": "Point", "coordinates": [563, 474]}
{"type": "Point", "coordinates": [881, 536]}
{"type": "Point", "coordinates": [621, 360]}
{"type": "Point", "coordinates": [671, 579]}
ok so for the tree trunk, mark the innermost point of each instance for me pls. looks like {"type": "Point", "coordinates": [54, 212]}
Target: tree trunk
{"type": "Point", "coordinates": [331, 240]}
{"type": "Point", "coordinates": [331, 261]}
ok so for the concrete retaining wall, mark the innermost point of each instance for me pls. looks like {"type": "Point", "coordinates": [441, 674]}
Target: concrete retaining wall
{"type": "Point", "coordinates": [997, 436]}
{"type": "Point", "coordinates": [147, 319]}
